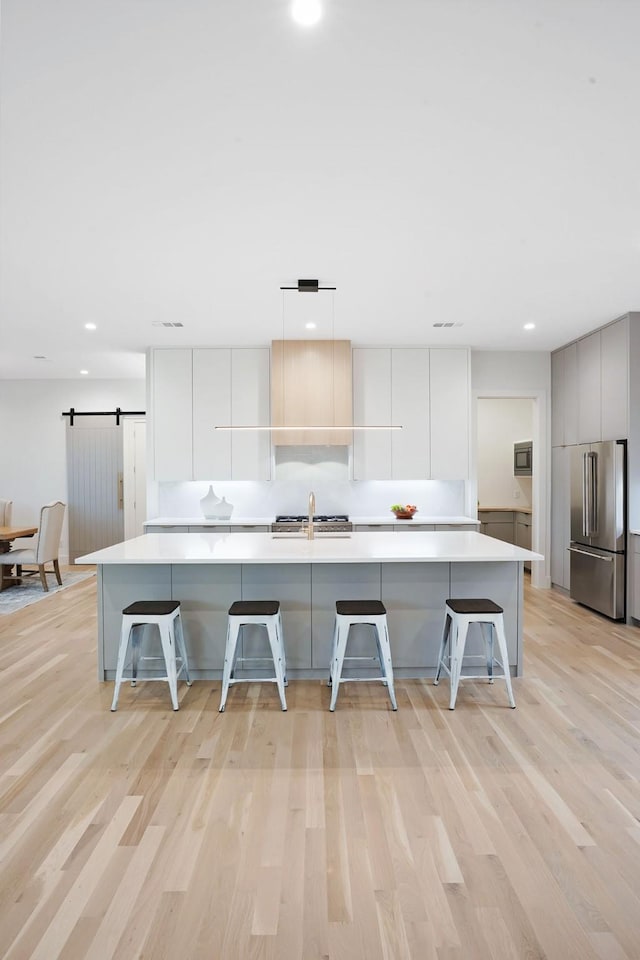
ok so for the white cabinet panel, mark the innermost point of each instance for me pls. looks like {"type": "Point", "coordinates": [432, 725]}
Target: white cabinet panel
{"type": "Point", "coordinates": [449, 408]}
{"type": "Point", "coordinates": [614, 346]}
{"type": "Point", "coordinates": [171, 391]}
{"type": "Point", "coordinates": [211, 408]}
{"type": "Point", "coordinates": [589, 389]}
{"type": "Point", "coordinates": [250, 399]}
{"type": "Point", "coordinates": [564, 396]}
{"type": "Point", "coordinates": [371, 405]}
{"type": "Point", "coordinates": [410, 447]}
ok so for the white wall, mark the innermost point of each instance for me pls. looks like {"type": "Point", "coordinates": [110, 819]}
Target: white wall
{"type": "Point", "coordinates": [32, 428]}
{"type": "Point", "coordinates": [514, 374]}
{"type": "Point", "coordinates": [500, 424]}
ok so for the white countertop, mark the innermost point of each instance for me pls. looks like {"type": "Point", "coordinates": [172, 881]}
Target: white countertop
{"type": "Point", "coordinates": [264, 521]}
{"type": "Point", "coordinates": [388, 547]}
{"type": "Point", "coordinates": [636, 533]}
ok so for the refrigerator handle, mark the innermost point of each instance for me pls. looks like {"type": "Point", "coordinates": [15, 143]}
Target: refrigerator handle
{"type": "Point", "coordinates": [585, 497]}
{"type": "Point", "coordinates": [593, 487]}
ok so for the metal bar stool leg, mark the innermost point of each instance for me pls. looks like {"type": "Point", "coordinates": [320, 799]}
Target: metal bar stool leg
{"type": "Point", "coordinates": [122, 656]}
{"type": "Point", "coordinates": [446, 632]}
{"type": "Point", "coordinates": [458, 643]}
{"type": "Point", "coordinates": [181, 647]}
{"type": "Point", "coordinates": [487, 636]}
{"type": "Point", "coordinates": [167, 639]}
{"type": "Point", "coordinates": [233, 632]}
{"type": "Point", "coordinates": [504, 656]}
{"type": "Point", "coordinates": [340, 649]}
{"type": "Point", "coordinates": [277, 654]}
{"type": "Point", "coordinates": [386, 665]}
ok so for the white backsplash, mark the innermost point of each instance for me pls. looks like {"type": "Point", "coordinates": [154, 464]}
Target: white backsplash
{"type": "Point", "coordinates": [325, 470]}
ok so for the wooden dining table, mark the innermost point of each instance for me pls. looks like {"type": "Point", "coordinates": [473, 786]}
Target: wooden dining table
{"type": "Point", "coordinates": [7, 536]}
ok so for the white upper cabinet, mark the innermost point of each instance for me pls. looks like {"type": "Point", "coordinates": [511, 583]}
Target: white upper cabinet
{"type": "Point", "coordinates": [411, 446]}
{"type": "Point", "coordinates": [193, 391]}
{"type": "Point", "coordinates": [211, 407]}
{"type": "Point", "coordinates": [427, 393]}
{"type": "Point", "coordinates": [250, 405]}
{"type": "Point", "coordinates": [449, 408]}
{"type": "Point", "coordinates": [564, 396]}
{"type": "Point", "coordinates": [171, 414]}
{"type": "Point", "coordinates": [371, 405]}
{"type": "Point", "coordinates": [614, 355]}
{"type": "Point", "coordinates": [589, 389]}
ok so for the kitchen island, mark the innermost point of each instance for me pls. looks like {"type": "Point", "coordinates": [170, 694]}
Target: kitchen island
{"type": "Point", "coordinates": [412, 573]}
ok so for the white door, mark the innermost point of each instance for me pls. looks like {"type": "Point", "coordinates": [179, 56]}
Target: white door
{"type": "Point", "coordinates": [134, 480]}
{"type": "Point", "coordinates": [94, 485]}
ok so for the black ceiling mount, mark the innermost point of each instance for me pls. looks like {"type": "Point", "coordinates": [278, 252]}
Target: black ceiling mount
{"type": "Point", "coordinates": [308, 286]}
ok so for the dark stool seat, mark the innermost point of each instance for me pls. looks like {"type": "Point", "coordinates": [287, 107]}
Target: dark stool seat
{"type": "Point", "coordinates": [165, 615]}
{"type": "Point", "coordinates": [474, 606]}
{"type": "Point", "coordinates": [154, 608]}
{"type": "Point", "coordinates": [360, 608]}
{"type": "Point", "coordinates": [254, 608]}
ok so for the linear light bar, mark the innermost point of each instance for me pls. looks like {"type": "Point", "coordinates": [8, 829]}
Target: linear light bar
{"type": "Point", "coordinates": [327, 427]}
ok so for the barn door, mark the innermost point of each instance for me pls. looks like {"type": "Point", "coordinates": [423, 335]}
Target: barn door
{"type": "Point", "coordinates": [95, 485]}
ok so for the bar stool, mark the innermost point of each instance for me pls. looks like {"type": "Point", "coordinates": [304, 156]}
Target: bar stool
{"type": "Point", "coordinates": [348, 613]}
{"type": "Point", "coordinates": [165, 614]}
{"type": "Point", "coordinates": [265, 613]}
{"type": "Point", "coordinates": [459, 615]}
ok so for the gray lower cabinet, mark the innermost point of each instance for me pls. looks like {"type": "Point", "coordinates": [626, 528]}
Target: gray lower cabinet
{"type": "Point", "coordinates": [373, 528]}
{"type": "Point", "coordinates": [163, 528]}
{"type": "Point", "coordinates": [523, 533]}
{"type": "Point", "coordinates": [497, 523]}
{"type": "Point", "coordinates": [207, 528]}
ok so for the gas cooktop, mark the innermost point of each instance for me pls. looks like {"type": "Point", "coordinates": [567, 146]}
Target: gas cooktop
{"type": "Point", "coordinates": [317, 518]}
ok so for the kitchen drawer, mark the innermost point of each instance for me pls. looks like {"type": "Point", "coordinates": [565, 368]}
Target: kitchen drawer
{"type": "Point", "coordinates": [373, 527]}
{"type": "Point", "coordinates": [457, 526]}
{"type": "Point", "coordinates": [164, 528]}
{"type": "Point", "coordinates": [249, 528]}
{"type": "Point", "coordinates": [495, 516]}
{"type": "Point", "coordinates": [209, 528]}
{"type": "Point", "coordinates": [415, 527]}
{"type": "Point", "coordinates": [523, 518]}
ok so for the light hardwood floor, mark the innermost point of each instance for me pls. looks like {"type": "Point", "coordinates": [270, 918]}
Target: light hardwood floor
{"type": "Point", "coordinates": [428, 834]}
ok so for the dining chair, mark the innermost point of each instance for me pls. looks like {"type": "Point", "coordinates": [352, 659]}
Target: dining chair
{"type": "Point", "coordinates": [46, 546]}
{"type": "Point", "coordinates": [5, 512]}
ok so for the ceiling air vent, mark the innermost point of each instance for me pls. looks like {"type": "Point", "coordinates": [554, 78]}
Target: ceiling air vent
{"type": "Point", "coordinates": [165, 323]}
{"type": "Point", "coordinates": [448, 324]}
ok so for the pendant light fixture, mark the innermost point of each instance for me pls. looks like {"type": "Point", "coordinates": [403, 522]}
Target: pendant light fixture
{"type": "Point", "coordinates": [310, 286]}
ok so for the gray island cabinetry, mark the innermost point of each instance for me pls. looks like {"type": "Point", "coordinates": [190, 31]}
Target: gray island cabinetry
{"type": "Point", "coordinates": [413, 574]}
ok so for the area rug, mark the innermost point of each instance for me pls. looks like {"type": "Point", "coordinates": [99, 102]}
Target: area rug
{"type": "Point", "coordinates": [30, 590]}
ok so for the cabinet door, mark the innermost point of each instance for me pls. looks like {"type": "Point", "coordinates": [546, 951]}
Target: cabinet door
{"type": "Point", "coordinates": [410, 407]}
{"type": "Point", "coordinates": [211, 408]}
{"type": "Point", "coordinates": [614, 347]}
{"type": "Point", "coordinates": [371, 405]}
{"type": "Point", "coordinates": [171, 392]}
{"type": "Point", "coordinates": [570, 366]}
{"type": "Point", "coordinates": [250, 405]}
{"type": "Point", "coordinates": [449, 413]}
{"type": "Point", "coordinates": [557, 399]}
{"type": "Point", "coordinates": [560, 516]}
{"type": "Point", "coordinates": [589, 389]}
{"type": "Point", "coordinates": [501, 531]}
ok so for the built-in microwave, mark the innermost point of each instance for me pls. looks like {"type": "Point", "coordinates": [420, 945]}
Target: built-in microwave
{"type": "Point", "coordinates": [523, 458]}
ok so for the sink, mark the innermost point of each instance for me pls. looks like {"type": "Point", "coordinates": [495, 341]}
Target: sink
{"type": "Point", "coordinates": [317, 536]}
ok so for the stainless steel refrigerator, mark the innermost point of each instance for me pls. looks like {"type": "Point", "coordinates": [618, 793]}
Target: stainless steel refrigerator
{"type": "Point", "coordinates": [598, 526]}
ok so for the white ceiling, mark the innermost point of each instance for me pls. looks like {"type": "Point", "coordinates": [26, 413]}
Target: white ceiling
{"type": "Point", "coordinates": [467, 161]}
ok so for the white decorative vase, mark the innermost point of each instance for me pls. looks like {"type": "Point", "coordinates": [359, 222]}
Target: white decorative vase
{"type": "Point", "coordinates": [208, 504]}
{"type": "Point", "coordinates": [223, 509]}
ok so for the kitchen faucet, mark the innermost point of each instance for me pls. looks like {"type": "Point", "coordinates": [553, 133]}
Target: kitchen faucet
{"type": "Point", "coordinates": [312, 510]}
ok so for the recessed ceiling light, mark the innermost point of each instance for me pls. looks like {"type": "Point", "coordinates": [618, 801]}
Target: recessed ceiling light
{"type": "Point", "coordinates": [90, 326]}
{"type": "Point", "coordinates": [311, 325]}
{"type": "Point", "coordinates": [306, 12]}
{"type": "Point", "coordinates": [84, 372]}
{"type": "Point", "coordinates": [529, 326]}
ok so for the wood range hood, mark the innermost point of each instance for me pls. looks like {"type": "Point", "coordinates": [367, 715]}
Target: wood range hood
{"type": "Point", "coordinates": [311, 387]}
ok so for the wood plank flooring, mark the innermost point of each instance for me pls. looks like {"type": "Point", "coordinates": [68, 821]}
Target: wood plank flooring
{"type": "Point", "coordinates": [483, 833]}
